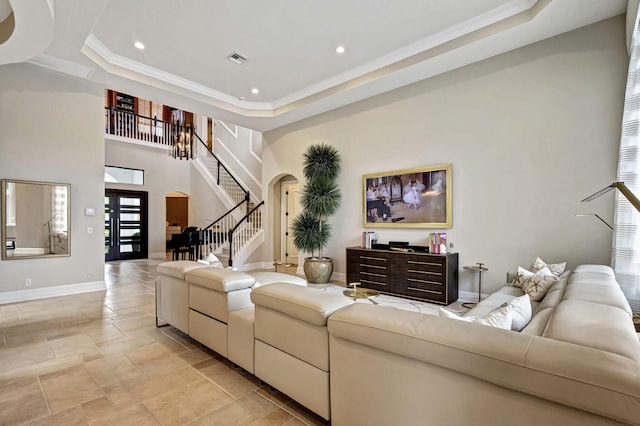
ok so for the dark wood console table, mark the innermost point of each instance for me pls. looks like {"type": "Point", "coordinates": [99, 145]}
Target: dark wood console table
{"type": "Point", "coordinates": [423, 276]}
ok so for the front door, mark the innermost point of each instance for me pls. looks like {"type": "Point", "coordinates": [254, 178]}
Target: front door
{"type": "Point", "coordinates": [125, 225]}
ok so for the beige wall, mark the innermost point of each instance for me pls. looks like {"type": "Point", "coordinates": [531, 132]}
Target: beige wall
{"type": "Point", "coordinates": [51, 129]}
{"type": "Point", "coordinates": [529, 133]}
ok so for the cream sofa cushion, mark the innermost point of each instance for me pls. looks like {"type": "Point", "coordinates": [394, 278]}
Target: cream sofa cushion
{"type": "Point", "coordinates": [307, 304]}
{"type": "Point", "coordinates": [266, 277]}
{"type": "Point", "coordinates": [178, 268]}
{"type": "Point", "coordinates": [220, 279]}
{"type": "Point", "coordinates": [594, 325]}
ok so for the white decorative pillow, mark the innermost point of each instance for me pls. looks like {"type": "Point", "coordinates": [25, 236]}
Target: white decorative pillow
{"type": "Point", "coordinates": [520, 312]}
{"type": "Point", "coordinates": [212, 260]}
{"type": "Point", "coordinates": [538, 285]}
{"type": "Point", "coordinates": [555, 268]}
{"type": "Point", "coordinates": [521, 276]}
{"type": "Point", "coordinates": [500, 317]}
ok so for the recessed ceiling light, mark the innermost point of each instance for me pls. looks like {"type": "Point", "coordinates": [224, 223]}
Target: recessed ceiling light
{"type": "Point", "coordinates": [139, 45]}
{"type": "Point", "coordinates": [255, 91]}
{"type": "Point", "coordinates": [340, 50]}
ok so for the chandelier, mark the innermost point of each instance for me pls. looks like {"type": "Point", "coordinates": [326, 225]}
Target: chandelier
{"type": "Point", "coordinates": [181, 141]}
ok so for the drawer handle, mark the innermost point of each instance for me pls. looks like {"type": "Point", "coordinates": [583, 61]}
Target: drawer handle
{"type": "Point", "coordinates": [424, 291]}
{"type": "Point", "coordinates": [372, 282]}
{"type": "Point", "coordinates": [364, 265]}
{"type": "Point", "coordinates": [425, 272]}
{"type": "Point", "coordinates": [424, 263]}
{"type": "Point", "coordinates": [381, 259]}
{"type": "Point", "coordinates": [375, 275]}
{"type": "Point", "coordinates": [424, 281]}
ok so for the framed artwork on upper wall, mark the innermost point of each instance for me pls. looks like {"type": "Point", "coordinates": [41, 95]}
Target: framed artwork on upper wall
{"type": "Point", "coordinates": [410, 198]}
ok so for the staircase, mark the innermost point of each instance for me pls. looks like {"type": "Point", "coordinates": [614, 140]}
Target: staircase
{"type": "Point", "coordinates": [237, 233]}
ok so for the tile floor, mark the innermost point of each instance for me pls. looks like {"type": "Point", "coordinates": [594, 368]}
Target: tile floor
{"type": "Point", "coordinates": [98, 359]}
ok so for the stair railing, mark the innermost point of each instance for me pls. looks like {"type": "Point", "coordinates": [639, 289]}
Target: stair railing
{"type": "Point", "coordinates": [219, 171]}
{"type": "Point", "coordinates": [216, 234]}
{"type": "Point", "coordinates": [246, 228]}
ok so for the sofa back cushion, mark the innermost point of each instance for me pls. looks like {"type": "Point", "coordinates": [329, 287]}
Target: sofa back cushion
{"type": "Point", "coordinates": [219, 279]}
{"type": "Point", "coordinates": [596, 326]}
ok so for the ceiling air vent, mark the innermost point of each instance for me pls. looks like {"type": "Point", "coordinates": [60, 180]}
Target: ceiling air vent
{"type": "Point", "coordinates": [237, 58]}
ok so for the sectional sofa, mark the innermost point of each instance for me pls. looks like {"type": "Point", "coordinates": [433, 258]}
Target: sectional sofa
{"type": "Point", "coordinates": [575, 362]}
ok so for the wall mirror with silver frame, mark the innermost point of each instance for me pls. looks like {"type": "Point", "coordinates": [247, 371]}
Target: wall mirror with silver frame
{"type": "Point", "coordinates": [35, 219]}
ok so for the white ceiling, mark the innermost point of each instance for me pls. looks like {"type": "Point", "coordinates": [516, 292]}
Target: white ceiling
{"type": "Point", "coordinates": [290, 46]}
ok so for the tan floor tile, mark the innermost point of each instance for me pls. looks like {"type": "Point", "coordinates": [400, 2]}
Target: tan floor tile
{"type": "Point", "coordinates": [243, 411]}
{"type": "Point", "coordinates": [155, 334]}
{"type": "Point", "coordinates": [102, 332]}
{"type": "Point", "coordinates": [39, 368]}
{"type": "Point", "coordinates": [115, 371]}
{"type": "Point", "coordinates": [126, 396]}
{"type": "Point", "coordinates": [9, 318]}
{"type": "Point", "coordinates": [207, 363]}
{"type": "Point", "coordinates": [76, 344]}
{"type": "Point", "coordinates": [275, 396]}
{"type": "Point", "coordinates": [306, 415]}
{"type": "Point", "coordinates": [26, 355]}
{"type": "Point", "coordinates": [98, 409]}
{"type": "Point", "coordinates": [296, 422]}
{"type": "Point", "coordinates": [70, 387]}
{"type": "Point", "coordinates": [156, 358]}
{"type": "Point", "coordinates": [136, 323]}
{"type": "Point", "coordinates": [121, 344]}
{"type": "Point", "coordinates": [187, 403]}
{"type": "Point", "coordinates": [71, 417]}
{"type": "Point", "coordinates": [138, 415]}
{"type": "Point", "coordinates": [19, 388]}
{"type": "Point", "coordinates": [235, 382]}
{"type": "Point", "coordinates": [22, 408]}
{"type": "Point", "coordinates": [278, 417]}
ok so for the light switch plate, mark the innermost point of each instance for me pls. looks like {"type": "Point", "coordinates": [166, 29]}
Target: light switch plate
{"type": "Point", "coordinates": [89, 211]}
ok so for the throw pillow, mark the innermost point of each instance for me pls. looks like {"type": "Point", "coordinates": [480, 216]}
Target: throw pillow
{"type": "Point", "coordinates": [500, 318]}
{"type": "Point", "coordinates": [538, 285]}
{"type": "Point", "coordinates": [521, 276]}
{"type": "Point", "coordinates": [555, 268]}
{"type": "Point", "coordinates": [212, 260]}
{"type": "Point", "coordinates": [520, 312]}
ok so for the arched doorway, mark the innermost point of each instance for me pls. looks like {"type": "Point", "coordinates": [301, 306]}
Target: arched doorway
{"type": "Point", "coordinates": [286, 208]}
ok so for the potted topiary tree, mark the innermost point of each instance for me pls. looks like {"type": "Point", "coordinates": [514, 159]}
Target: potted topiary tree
{"type": "Point", "coordinates": [319, 198]}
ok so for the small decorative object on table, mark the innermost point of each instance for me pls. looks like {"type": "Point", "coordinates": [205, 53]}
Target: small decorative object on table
{"type": "Point", "coordinates": [360, 293]}
{"type": "Point", "coordinates": [479, 268]}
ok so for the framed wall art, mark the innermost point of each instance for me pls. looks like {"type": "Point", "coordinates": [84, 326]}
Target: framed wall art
{"type": "Point", "coordinates": [410, 198]}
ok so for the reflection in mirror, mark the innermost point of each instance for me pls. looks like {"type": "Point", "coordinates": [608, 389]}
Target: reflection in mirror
{"type": "Point", "coordinates": [35, 219]}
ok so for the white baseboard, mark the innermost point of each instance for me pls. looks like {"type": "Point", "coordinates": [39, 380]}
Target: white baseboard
{"type": "Point", "coordinates": [55, 291]}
